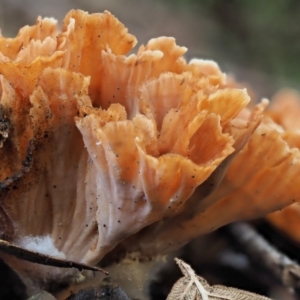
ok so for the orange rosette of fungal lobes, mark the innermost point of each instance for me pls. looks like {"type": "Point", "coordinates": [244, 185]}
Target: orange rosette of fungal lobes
{"type": "Point", "coordinates": [147, 159]}
{"type": "Point", "coordinates": [154, 135]}
{"type": "Point", "coordinates": [192, 108]}
{"type": "Point", "coordinates": [285, 111]}
{"type": "Point", "coordinates": [148, 169]}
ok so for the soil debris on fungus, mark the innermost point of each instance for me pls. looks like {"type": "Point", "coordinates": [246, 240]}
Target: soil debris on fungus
{"type": "Point", "coordinates": [4, 126]}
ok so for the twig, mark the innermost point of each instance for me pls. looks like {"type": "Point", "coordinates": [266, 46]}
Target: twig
{"type": "Point", "coordinates": [43, 259]}
{"type": "Point", "coordinates": [259, 249]}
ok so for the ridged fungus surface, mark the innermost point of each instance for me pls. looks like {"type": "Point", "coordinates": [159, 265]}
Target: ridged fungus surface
{"type": "Point", "coordinates": [102, 149]}
{"type": "Point", "coordinates": [285, 112]}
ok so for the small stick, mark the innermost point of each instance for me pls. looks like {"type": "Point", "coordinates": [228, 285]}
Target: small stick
{"type": "Point", "coordinates": [259, 249]}
{"type": "Point", "coordinates": [43, 259]}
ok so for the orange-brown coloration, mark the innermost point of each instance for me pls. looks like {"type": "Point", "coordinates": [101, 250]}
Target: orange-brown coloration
{"type": "Point", "coordinates": [285, 111]}
{"type": "Point", "coordinates": [124, 146]}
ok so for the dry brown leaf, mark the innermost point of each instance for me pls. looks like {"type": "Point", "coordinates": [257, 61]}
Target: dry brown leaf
{"type": "Point", "coordinates": [193, 287]}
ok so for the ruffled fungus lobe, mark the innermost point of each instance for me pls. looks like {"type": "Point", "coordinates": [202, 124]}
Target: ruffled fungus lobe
{"type": "Point", "coordinates": [285, 111]}
{"type": "Point", "coordinates": [103, 149]}
{"type": "Point", "coordinates": [253, 186]}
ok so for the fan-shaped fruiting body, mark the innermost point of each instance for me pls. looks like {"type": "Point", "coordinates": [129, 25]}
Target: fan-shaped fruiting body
{"type": "Point", "coordinates": [99, 149]}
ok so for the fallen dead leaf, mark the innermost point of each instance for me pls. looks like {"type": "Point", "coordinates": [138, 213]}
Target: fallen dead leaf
{"type": "Point", "coordinates": [194, 287]}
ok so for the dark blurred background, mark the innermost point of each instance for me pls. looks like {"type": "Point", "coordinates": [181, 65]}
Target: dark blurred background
{"type": "Point", "coordinates": [257, 41]}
